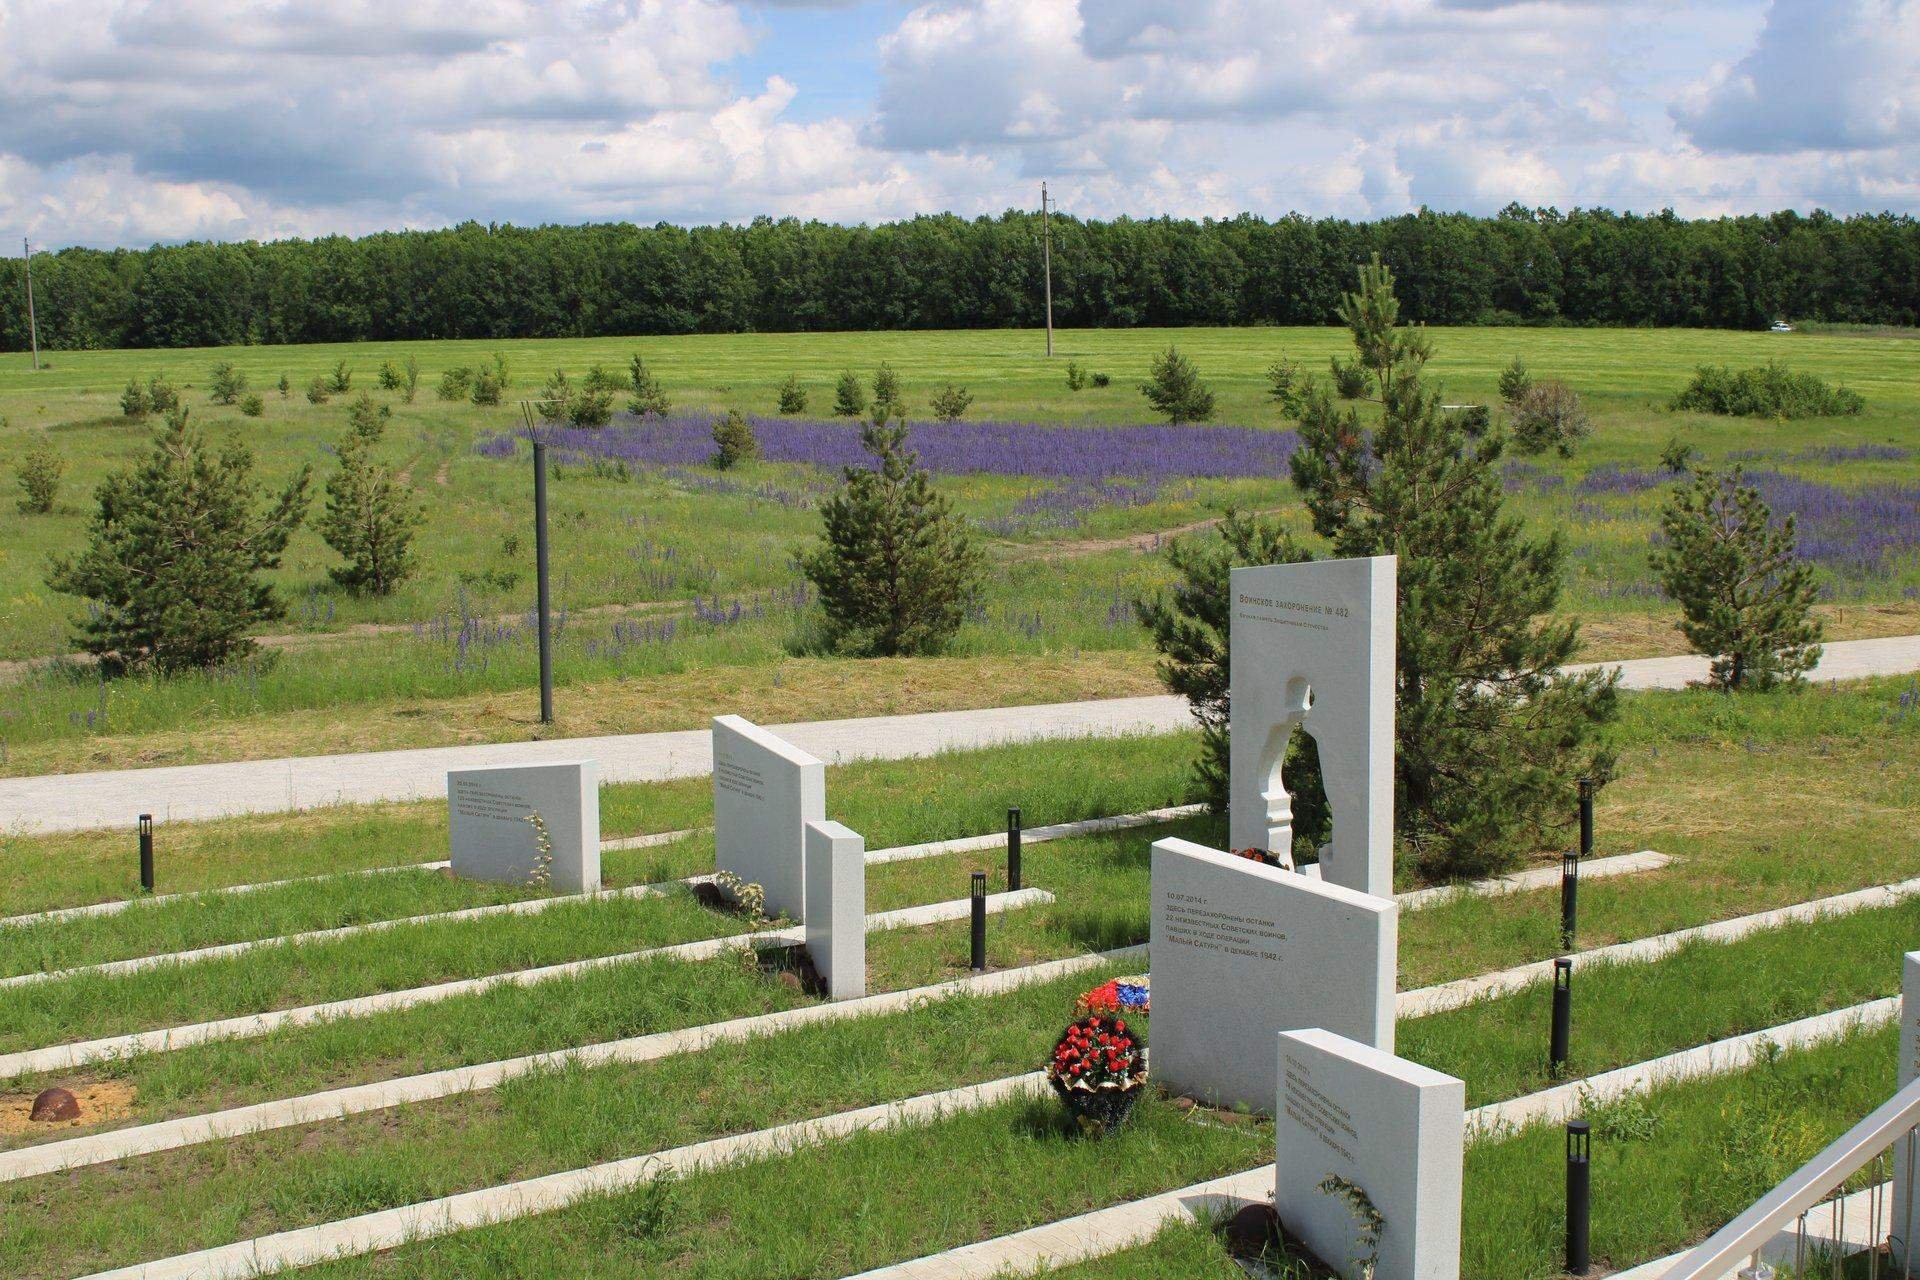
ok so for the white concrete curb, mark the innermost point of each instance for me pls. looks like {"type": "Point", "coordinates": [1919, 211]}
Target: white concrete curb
{"type": "Point", "coordinates": [1107, 1231]}
{"type": "Point", "coordinates": [432, 1218]}
{"type": "Point", "coordinates": [334, 1104]}
{"type": "Point", "coordinates": [60, 1057]}
{"type": "Point", "coordinates": [1454, 995]}
{"type": "Point", "coordinates": [899, 853]}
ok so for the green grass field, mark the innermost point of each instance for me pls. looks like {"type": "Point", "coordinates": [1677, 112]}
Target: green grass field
{"type": "Point", "coordinates": [1766, 801]}
{"type": "Point", "coordinates": [346, 673]}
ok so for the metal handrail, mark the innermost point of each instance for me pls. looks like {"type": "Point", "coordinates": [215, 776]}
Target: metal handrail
{"type": "Point", "coordinates": [1747, 1234]}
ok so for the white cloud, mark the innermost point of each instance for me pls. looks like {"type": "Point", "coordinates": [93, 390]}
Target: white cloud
{"type": "Point", "coordinates": [124, 121]}
{"type": "Point", "coordinates": [1824, 75]}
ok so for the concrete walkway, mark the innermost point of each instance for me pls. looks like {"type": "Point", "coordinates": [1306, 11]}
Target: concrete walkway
{"type": "Point", "coordinates": [90, 801]}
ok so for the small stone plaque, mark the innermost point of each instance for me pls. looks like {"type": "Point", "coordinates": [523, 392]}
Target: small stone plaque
{"type": "Point", "coordinates": [492, 839]}
{"type": "Point", "coordinates": [1314, 650]}
{"type": "Point", "coordinates": [765, 791]}
{"type": "Point", "coordinates": [1241, 951]}
{"type": "Point", "coordinates": [1392, 1128]}
{"type": "Point", "coordinates": [837, 908]}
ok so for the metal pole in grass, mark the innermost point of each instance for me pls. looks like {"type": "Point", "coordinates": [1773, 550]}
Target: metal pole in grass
{"type": "Point", "coordinates": [1562, 1016]}
{"type": "Point", "coordinates": [146, 852]}
{"type": "Point", "coordinates": [1013, 849]}
{"type": "Point", "coordinates": [540, 565]}
{"type": "Point", "coordinates": [1579, 1197]}
{"type": "Point", "coordinates": [1586, 817]}
{"type": "Point", "coordinates": [1569, 899]}
{"type": "Point", "coordinates": [979, 904]}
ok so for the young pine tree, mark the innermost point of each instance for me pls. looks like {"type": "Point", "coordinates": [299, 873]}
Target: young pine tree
{"type": "Point", "coordinates": [1490, 734]}
{"type": "Point", "coordinates": [849, 397]}
{"type": "Point", "coordinates": [889, 400]}
{"type": "Point", "coordinates": [648, 395]}
{"type": "Point", "coordinates": [793, 396]}
{"type": "Point", "coordinates": [40, 469]}
{"type": "Point", "coordinates": [135, 401]}
{"type": "Point", "coordinates": [1191, 627]}
{"type": "Point", "coordinates": [897, 568]}
{"type": "Point", "coordinates": [950, 403]}
{"type": "Point", "coordinates": [174, 556]}
{"type": "Point", "coordinates": [409, 379]}
{"type": "Point", "coordinates": [226, 384]}
{"type": "Point", "coordinates": [733, 441]}
{"type": "Point", "coordinates": [1173, 387]}
{"type": "Point", "coordinates": [1745, 596]}
{"type": "Point", "coordinates": [370, 516]}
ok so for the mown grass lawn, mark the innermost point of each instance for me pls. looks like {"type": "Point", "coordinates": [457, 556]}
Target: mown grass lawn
{"type": "Point", "coordinates": [348, 673]}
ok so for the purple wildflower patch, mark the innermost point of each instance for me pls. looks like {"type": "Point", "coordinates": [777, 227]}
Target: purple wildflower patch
{"type": "Point", "coordinates": [1145, 452]}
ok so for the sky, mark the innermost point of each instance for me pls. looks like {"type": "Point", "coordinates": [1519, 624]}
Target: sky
{"type": "Point", "coordinates": [129, 122]}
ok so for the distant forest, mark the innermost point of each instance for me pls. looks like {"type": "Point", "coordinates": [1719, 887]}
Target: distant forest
{"type": "Point", "coordinates": [945, 272]}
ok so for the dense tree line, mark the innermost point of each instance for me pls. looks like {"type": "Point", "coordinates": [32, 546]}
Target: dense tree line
{"type": "Point", "coordinates": [474, 281]}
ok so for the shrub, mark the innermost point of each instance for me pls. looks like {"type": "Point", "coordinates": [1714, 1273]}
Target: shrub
{"type": "Point", "coordinates": [489, 387]}
{"type": "Point", "coordinates": [409, 379]}
{"type": "Point", "coordinates": [950, 402]}
{"type": "Point", "coordinates": [456, 383]}
{"type": "Point", "coordinates": [390, 376]}
{"type": "Point", "coordinates": [897, 568]}
{"type": "Point", "coordinates": [849, 397]}
{"type": "Point", "coordinates": [286, 386]}
{"type": "Point", "coordinates": [1676, 455]}
{"type": "Point", "coordinates": [1101, 380]}
{"type": "Point", "coordinates": [134, 401]}
{"type": "Point", "coordinates": [252, 405]}
{"type": "Point", "coordinates": [162, 395]}
{"type": "Point", "coordinates": [226, 383]}
{"type": "Point", "coordinates": [1745, 596]}
{"type": "Point", "coordinates": [733, 441]}
{"type": "Point", "coordinates": [1770, 391]}
{"type": "Point", "coordinates": [1475, 420]}
{"type": "Point", "coordinates": [889, 401]}
{"type": "Point", "coordinates": [341, 381]}
{"type": "Point", "coordinates": [319, 391]}
{"type": "Point", "coordinates": [1076, 376]}
{"type": "Point", "coordinates": [600, 378]}
{"type": "Point", "coordinates": [174, 556]}
{"type": "Point", "coordinates": [1173, 387]}
{"type": "Point", "coordinates": [648, 395]}
{"type": "Point", "coordinates": [370, 516]}
{"type": "Point", "coordinates": [40, 469]}
{"type": "Point", "coordinates": [1548, 415]}
{"type": "Point", "coordinates": [793, 396]}
{"type": "Point", "coordinates": [590, 407]}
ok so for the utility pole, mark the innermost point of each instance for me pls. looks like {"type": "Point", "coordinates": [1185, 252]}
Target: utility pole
{"type": "Point", "coordinates": [33, 325]}
{"type": "Point", "coordinates": [1046, 257]}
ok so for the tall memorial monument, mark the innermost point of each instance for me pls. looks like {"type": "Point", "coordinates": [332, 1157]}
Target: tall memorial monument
{"type": "Point", "coordinates": [1313, 649]}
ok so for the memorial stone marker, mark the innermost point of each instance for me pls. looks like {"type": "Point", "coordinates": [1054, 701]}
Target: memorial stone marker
{"type": "Point", "coordinates": [491, 838]}
{"type": "Point", "coordinates": [765, 791]}
{"type": "Point", "coordinates": [1313, 648]}
{"type": "Point", "coordinates": [1392, 1128]}
{"type": "Point", "coordinates": [837, 908]}
{"type": "Point", "coordinates": [1242, 950]}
